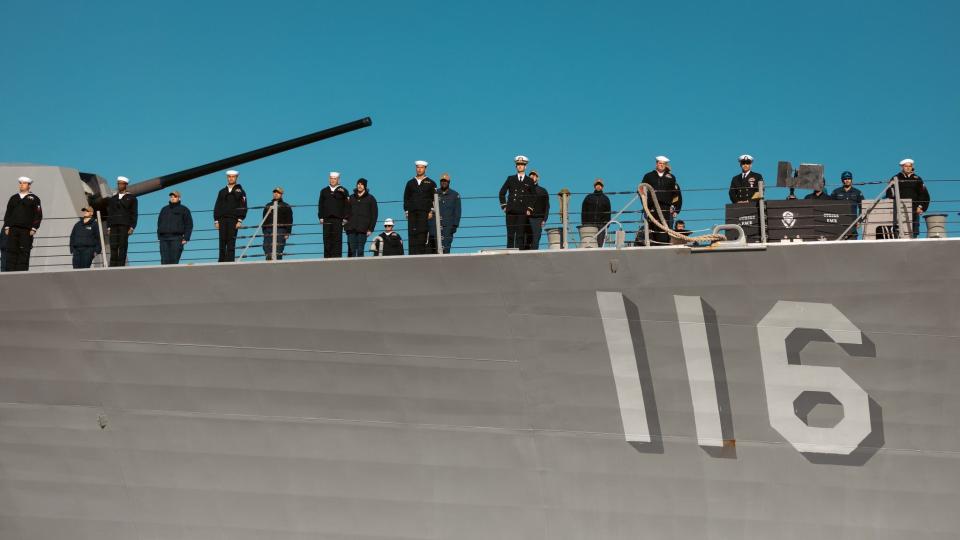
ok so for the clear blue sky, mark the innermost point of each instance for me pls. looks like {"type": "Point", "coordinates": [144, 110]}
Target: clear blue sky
{"type": "Point", "coordinates": [585, 90]}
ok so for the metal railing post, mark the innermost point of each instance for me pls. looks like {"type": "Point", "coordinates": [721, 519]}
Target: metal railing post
{"type": "Point", "coordinates": [253, 237]}
{"type": "Point", "coordinates": [564, 217]}
{"type": "Point", "coordinates": [103, 246]}
{"type": "Point", "coordinates": [273, 252]}
{"type": "Point", "coordinates": [761, 205]}
{"type": "Point", "coordinates": [436, 221]}
{"type": "Point", "coordinates": [896, 209]}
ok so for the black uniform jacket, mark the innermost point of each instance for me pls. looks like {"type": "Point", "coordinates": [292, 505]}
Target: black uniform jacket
{"type": "Point", "coordinates": [391, 244]}
{"type": "Point", "coordinates": [595, 209]}
{"type": "Point", "coordinates": [541, 202]}
{"type": "Point", "coordinates": [175, 218]}
{"type": "Point", "coordinates": [333, 203]}
{"type": "Point", "coordinates": [913, 188]}
{"type": "Point", "coordinates": [230, 203]}
{"type": "Point", "coordinates": [822, 196]}
{"type": "Point", "coordinates": [85, 235]}
{"type": "Point", "coordinates": [122, 211]}
{"type": "Point", "coordinates": [743, 189]}
{"type": "Point", "coordinates": [363, 213]}
{"type": "Point", "coordinates": [667, 191]}
{"type": "Point", "coordinates": [284, 215]}
{"type": "Point", "coordinates": [419, 197]}
{"type": "Point", "coordinates": [516, 197]}
{"type": "Point", "coordinates": [23, 212]}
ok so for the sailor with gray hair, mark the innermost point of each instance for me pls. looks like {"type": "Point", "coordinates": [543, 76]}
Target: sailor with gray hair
{"type": "Point", "coordinates": [122, 216]}
{"type": "Point", "coordinates": [20, 223]}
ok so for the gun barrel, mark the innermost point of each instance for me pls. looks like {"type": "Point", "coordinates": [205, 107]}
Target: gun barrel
{"type": "Point", "coordinates": [162, 182]}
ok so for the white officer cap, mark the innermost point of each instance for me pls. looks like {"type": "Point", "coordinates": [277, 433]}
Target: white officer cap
{"type": "Point", "coordinates": [388, 221]}
{"type": "Point", "coordinates": [26, 179]}
{"type": "Point", "coordinates": [334, 174]}
{"type": "Point", "coordinates": [232, 172]}
{"type": "Point", "coordinates": [907, 161]}
{"type": "Point", "coordinates": [123, 179]}
{"type": "Point", "coordinates": [745, 157]}
{"type": "Point", "coordinates": [521, 159]}
{"type": "Point", "coordinates": [420, 163]}
{"type": "Point", "coordinates": [664, 159]}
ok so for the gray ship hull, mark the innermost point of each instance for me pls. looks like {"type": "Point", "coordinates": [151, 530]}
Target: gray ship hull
{"type": "Point", "coordinates": [655, 393]}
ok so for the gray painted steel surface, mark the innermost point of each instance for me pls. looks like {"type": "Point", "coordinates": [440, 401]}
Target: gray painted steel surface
{"type": "Point", "coordinates": [474, 396]}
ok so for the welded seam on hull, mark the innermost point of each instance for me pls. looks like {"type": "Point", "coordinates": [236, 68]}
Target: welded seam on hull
{"type": "Point", "coordinates": [295, 350]}
{"type": "Point", "coordinates": [438, 427]}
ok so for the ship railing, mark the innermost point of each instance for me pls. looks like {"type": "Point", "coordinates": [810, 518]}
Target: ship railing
{"type": "Point", "coordinates": [482, 227]}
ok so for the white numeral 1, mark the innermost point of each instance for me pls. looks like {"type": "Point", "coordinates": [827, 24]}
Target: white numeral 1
{"type": "Point", "coordinates": [703, 387]}
{"type": "Point", "coordinates": [623, 360]}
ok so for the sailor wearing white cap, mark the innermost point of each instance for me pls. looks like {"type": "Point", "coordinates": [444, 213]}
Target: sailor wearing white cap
{"type": "Point", "coordinates": [122, 215]}
{"type": "Point", "coordinates": [913, 188]}
{"type": "Point", "coordinates": [20, 223]}
{"type": "Point", "coordinates": [418, 207]}
{"type": "Point", "coordinates": [228, 214]}
{"type": "Point", "coordinates": [745, 186]}
{"type": "Point", "coordinates": [667, 192]}
{"type": "Point", "coordinates": [332, 211]}
{"type": "Point", "coordinates": [388, 242]}
{"type": "Point", "coordinates": [516, 201]}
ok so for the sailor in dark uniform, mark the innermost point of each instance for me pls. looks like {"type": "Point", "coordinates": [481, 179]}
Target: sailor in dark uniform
{"type": "Point", "coordinates": [228, 214]}
{"type": "Point", "coordinates": [818, 194]}
{"type": "Point", "coordinates": [122, 217]}
{"type": "Point", "coordinates": [745, 186]}
{"type": "Point", "coordinates": [847, 192]}
{"type": "Point", "coordinates": [541, 211]}
{"type": "Point", "coordinates": [388, 242]}
{"type": "Point", "coordinates": [418, 207]}
{"type": "Point", "coordinates": [333, 210]}
{"type": "Point", "coordinates": [667, 192]}
{"type": "Point", "coordinates": [913, 188]}
{"type": "Point", "coordinates": [85, 239]}
{"type": "Point", "coordinates": [516, 201]}
{"type": "Point", "coordinates": [20, 223]}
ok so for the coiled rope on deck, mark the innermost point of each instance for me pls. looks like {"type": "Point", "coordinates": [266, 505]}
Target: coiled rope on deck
{"type": "Point", "coordinates": [643, 190]}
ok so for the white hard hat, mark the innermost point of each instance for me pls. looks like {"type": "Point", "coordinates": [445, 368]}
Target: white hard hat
{"type": "Point", "coordinates": [123, 179]}
{"type": "Point", "coordinates": [388, 221]}
{"type": "Point", "coordinates": [232, 172]}
{"type": "Point", "coordinates": [521, 159]}
{"type": "Point", "coordinates": [26, 179]}
{"type": "Point", "coordinates": [664, 159]}
{"type": "Point", "coordinates": [907, 161]}
{"type": "Point", "coordinates": [420, 163]}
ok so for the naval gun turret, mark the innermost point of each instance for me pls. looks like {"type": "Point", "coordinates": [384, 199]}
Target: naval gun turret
{"type": "Point", "coordinates": [64, 190]}
{"type": "Point", "coordinates": [159, 183]}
